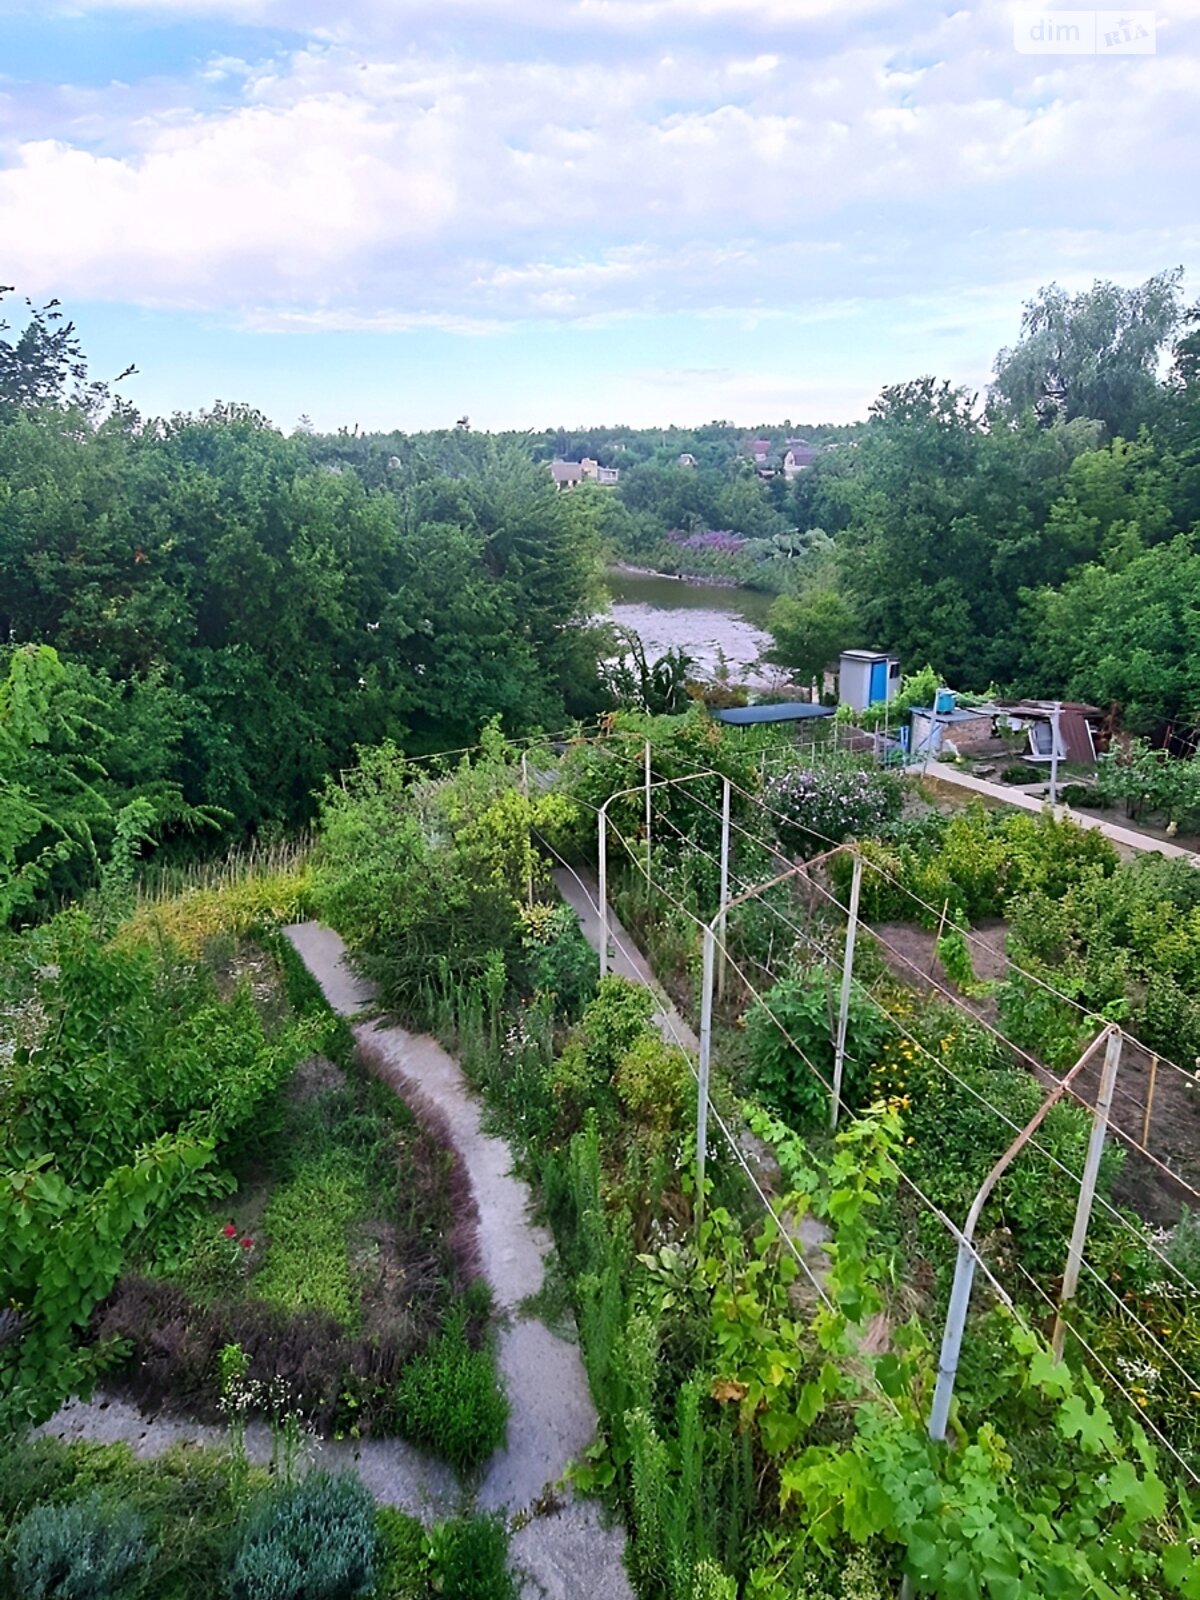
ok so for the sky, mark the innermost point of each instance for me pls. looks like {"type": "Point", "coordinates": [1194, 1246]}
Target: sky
{"type": "Point", "coordinates": [392, 213]}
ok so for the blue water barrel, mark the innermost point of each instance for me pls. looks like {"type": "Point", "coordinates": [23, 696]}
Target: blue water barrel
{"type": "Point", "coordinates": [944, 701]}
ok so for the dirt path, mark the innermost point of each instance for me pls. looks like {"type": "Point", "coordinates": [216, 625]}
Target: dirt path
{"type": "Point", "coordinates": [564, 1553]}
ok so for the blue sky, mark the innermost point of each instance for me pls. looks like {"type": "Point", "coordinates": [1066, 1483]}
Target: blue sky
{"type": "Point", "coordinates": [542, 212]}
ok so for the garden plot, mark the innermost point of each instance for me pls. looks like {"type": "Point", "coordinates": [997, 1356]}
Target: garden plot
{"type": "Point", "coordinates": [1173, 1127]}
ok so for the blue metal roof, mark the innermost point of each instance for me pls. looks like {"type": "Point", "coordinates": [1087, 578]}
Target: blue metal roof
{"type": "Point", "coordinates": [788, 711]}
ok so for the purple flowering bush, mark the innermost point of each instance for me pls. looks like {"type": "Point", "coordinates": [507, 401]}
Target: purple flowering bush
{"type": "Point", "coordinates": [722, 540]}
{"type": "Point", "coordinates": [825, 805]}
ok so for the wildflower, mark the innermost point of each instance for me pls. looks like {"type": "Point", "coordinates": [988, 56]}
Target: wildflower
{"type": "Point", "coordinates": [247, 1244]}
{"type": "Point", "coordinates": [229, 1231]}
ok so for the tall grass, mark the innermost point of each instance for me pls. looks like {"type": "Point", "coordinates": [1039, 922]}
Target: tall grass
{"type": "Point", "coordinates": [193, 902]}
{"type": "Point", "coordinates": [159, 881]}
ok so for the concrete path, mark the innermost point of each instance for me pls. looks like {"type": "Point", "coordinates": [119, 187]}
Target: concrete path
{"type": "Point", "coordinates": [396, 1473]}
{"type": "Point", "coordinates": [1125, 839]}
{"type": "Point", "coordinates": [552, 1420]}
{"type": "Point", "coordinates": [582, 893]}
{"type": "Point", "coordinates": [562, 1554]}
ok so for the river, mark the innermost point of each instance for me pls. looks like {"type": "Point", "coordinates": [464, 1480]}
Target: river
{"type": "Point", "coordinates": [707, 622]}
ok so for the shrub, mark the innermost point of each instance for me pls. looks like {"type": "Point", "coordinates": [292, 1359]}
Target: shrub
{"type": "Point", "coordinates": [557, 959]}
{"type": "Point", "coordinates": [316, 1541]}
{"type": "Point", "coordinates": [79, 1551]}
{"type": "Point", "coordinates": [449, 1398]}
{"type": "Point", "coordinates": [1183, 1247]}
{"type": "Point", "coordinates": [470, 1560]}
{"type": "Point", "coordinates": [650, 1083]}
{"type": "Point", "coordinates": [613, 1022]}
{"type": "Point", "coordinates": [404, 1554]}
{"type": "Point", "coordinates": [806, 1006]}
{"type": "Point", "coordinates": [829, 804]}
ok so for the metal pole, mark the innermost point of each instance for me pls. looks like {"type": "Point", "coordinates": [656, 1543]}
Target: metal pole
{"type": "Point", "coordinates": [1054, 716]}
{"type": "Point", "coordinates": [647, 755]}
{"type": "Point", "coordinates": [1087, 1189]}
{"type": "Point", "coordinates": [706, 1005]}
{"type": "Point", "coordinates": [839, 1054]}
{"type": "Point", "coordinates": [603, 895]}
{"type": "Point", "coordinates": [964, 1267]}
{"type": "Point", "coordinates": [525, 791]}
{"type": "Point", "coordinates": [952, 1338]}
{"type": "Point", "coordinates": [602, 850]}
{"type": "Point", "coordinates": [723, 899]}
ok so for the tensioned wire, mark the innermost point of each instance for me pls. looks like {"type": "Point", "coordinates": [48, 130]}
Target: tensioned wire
{"type": "Point", "coordinates": [1038, 1067]}
{"type": "Point", "coordinates": [873, 999]}
{"type": "Point", "coordinates": [911, 1184]}
{"type": "Point", "coordinates": [1074, 1177]}
{"type": "Point", "coordinates": [944, 1067]}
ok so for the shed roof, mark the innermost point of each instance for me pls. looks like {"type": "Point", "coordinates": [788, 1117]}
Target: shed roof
{"type": "Point", "coordinates": [788, 711]}
{"type": "Point", "coordinates": [959, 714]}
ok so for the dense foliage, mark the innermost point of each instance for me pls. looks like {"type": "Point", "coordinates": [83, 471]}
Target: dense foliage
{"type": "Point", "coordinates": [232, 616]}
{"type": "Point", "coordinates": [94, 1522]}
{"type": "Point", "coordinates": [129, 1087]}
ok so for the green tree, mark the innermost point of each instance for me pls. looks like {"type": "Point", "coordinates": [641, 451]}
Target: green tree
{"type": "Point", "coordinates": [809, 631]}
{"type": "Point", "coordinates": [1126, 633]}
{"type": "Point", "coordinates": [48, 807]}
{"type": "Point", "coordinates": [44, 364]}
{"type": "Point", "coordinates": [1091, 354]}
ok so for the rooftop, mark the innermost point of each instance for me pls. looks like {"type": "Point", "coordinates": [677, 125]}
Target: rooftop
{"type": "Point", "coordinates": [787, 711]}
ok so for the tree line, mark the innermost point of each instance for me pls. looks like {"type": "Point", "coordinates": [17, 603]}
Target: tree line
{"type": "Point", "coordinates": [206, 616]}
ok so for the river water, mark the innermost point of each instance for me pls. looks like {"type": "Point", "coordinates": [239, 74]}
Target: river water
{"type": "Point", "coordinates": [670, 613]}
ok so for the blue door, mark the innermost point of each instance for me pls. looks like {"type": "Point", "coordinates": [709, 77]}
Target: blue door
{"type": "Point", "coordinates": [879, 681]}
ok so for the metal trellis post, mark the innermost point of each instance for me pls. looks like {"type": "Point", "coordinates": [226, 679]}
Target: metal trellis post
{"type": "Point", "coordinates": [1087, 1188]}
{"type": "Point", "coordinates": [839, 1054]}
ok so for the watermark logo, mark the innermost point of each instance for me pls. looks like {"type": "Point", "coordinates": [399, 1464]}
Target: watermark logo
{"type": "Point", "coordinates": [1084, 33]}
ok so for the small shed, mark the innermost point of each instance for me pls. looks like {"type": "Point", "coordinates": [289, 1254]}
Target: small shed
{"type": "Point", "coordinates": [961, 728]}
{"type": "Point", "coordinates": [867, 678]}
{"type": "Point", "coordinates": [1077, 727]}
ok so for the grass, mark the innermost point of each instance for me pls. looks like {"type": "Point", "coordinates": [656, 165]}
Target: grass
{"type": "Point", "coordinates": [231, 897]}
{"type": "Point", "coordinates": [307, 1225]}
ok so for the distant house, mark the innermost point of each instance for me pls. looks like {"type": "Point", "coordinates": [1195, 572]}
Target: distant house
{"type": "Point", "coordinates": [567, 474]}
{"type": "Point", "coordinates": [798, 455]}
{"type": "Point", "coordinates": [759, 451]}
{"type": "Point", "coordinates": [687, 459]}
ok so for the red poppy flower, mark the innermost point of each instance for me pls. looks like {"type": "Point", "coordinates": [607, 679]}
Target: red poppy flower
{"type": "Point", "coordinates": [230, 1231]}
{"type": "Point", "coordinates": [247, 1244]}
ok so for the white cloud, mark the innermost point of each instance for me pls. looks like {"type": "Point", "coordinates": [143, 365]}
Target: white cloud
{"type": "Point", "coordinates": [470, 181]}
